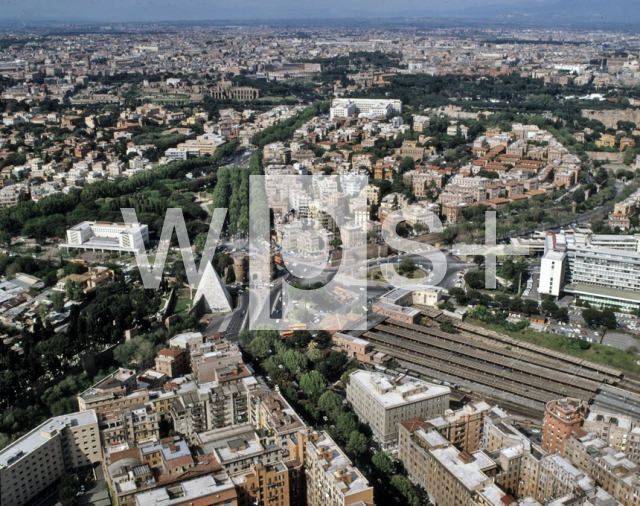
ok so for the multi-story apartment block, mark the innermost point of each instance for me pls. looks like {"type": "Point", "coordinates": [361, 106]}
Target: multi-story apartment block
{"type": "Point", "coordinates": [163, 464]}
{"type": "Point", "coordinates": [464, 427]}
{"type": "Point", "coordinates": [383, 401]}
{"type": "Point", "coordinates": [562, 417]}
{"type": "Point", "coordinates": [172, 361]}
{"type": "Point", "coordinates": [30, 466]}
{"type": "Point", "coordinates": [130, 426]}
{"type": "Point", "coordinates": [271, 412]}
{"type": "Point", "coordinates": [116, 391]}
{"type": "Point", "coordinates": [216, 490]}
{"type": "Point", "coordinates": [279, 484]}
{"type": "Point", "coordinates": [237, 448]}
{"type": "Point", "coordinates": [426, 216]}
{"type": "Point", "coordinates": [207, 357]}
{"type": "Point", "coordinates": [633, 444]}
{"type": "Point", "coordinates": [12, 195]}
{"type": "Point", "coordinates": [614, 429]}
{"type": "Point", "coordinates": [331, 478]}
{"type": "Point", "coordinates": [612, 470]}
{"type": "Point", "coordinates": [448, 475]}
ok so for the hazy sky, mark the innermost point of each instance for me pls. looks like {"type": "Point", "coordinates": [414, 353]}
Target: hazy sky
{"type": "Point", "coordinates": [167, 10]}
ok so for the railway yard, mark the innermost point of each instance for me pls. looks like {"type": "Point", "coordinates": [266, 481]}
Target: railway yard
{"type": "Point", "coordinates": [497, 367]}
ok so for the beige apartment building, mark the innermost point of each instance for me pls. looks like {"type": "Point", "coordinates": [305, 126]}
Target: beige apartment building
{"type": "Point", "coordinates": [464, 427]}
{"type": "Point", "coordinates": [116, 391]}
{"type": "Point", "coordinates": [383, 401]}
{"type": "Point", "coordinates": [449, 476]}
{"type": "Point", "coordinates": [205, 490]}
{"type": "Point", "coordinates": [612, 470]}
{"type": "Point", "coordinates": [131, 426]}
{"type": "Point", "coordinates": [207, 357]}
{"type": "Point", "coordinates": [36, 461]}
{"type": "Point", "coordinates": [614, 429]}
{"type": "Point", "coordinates": [173, 362]}
{"type": "Point", "coordinates": [331, 478]}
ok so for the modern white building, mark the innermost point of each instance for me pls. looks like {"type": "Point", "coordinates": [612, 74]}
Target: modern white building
{"type": "Point", "coordinates": [33, 463]}
{"type": "Point", "coordinates": [552, 268]}
{"type": "Point", "coordinates": [105, 236]}
{"type": "Point", "coordinates": [603, 270]}
{"type": "Point", "coordinates": [174, 154]}
{"type": "Point", "coordinates": [383, 401]}
{"type": "Point", "coordinates": [346, 107]}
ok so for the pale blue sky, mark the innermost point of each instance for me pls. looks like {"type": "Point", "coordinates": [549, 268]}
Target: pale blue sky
{"type": "Point", "coordinates": [562, 12]}
{"type": "Point", "coordinates": [167, 10]}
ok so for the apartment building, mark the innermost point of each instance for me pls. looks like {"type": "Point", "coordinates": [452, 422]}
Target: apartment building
{"type": "Point", "coordinates": [33, 464]}
{"type": "Point", "coordinates": [633, 444]}
{"type": "Point", "coordinates": [237, 448]}
{"type": "Point", "coordinates": [269, 411]}
{"type": "Point", "coordinates": [612, 470]}
{"type": "Point", "coordinates": [280, 484]}
{"type": "Point", "coordinates": [448, 475]}
{"type": "Point", "coordinates": [331, 478]}
{"type": "Point", "coordinates": [105, 236]}
{"type": "Point", "coordinates": [613, 428]}
{"type": "Point", "coordinates": [216, 490]}
{"type": "Point", "coordinates": [130, 426]}
{"type": "Point", "coordinates": [426, 216]}
{"type": "Point", "coordinates": [207, 357]}
{"type": "Point", "coordinates": [116, 391]}
{"type": "Point", "coordinates": [172, 362]}
{"type": "Point", "coordinates": [463, 427]}
{"type": "Point", "coordinates": [143, 469]}
{"type": "Point", "coordinates": [12, 195]}
{"type": "Point", "coordinates": [383, 401]}
{"type": "Point", "coordinates": [200, 409]}
{"type": "Point", "coordinates": [562, 417]}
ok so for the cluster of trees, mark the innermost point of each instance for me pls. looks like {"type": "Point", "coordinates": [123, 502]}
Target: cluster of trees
{"type": "Point", "coordinates": [604, 318]}
{"type": "Point", "coordinates": [283, 131]}
{"type": "Point", "coordinates": [56, 400]}
{"type": "Point", "coordinates": [153, 135]}
{"type": "Point", "coordinates": [140, 352]}
{"type": "Point", "coordinates": [232, 192]}
{"type": "Point", "coordinates": [81, 204]}
{"type": "Point", "coordinates": [302, 370]}
{"type": "Point", "coordinates": [46, 354]}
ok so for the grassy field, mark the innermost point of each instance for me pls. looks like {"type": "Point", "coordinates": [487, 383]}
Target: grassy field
{"type": "Point", "coordinates": [597, 353]}
{"type": "Point", "coordinates": [183, 304]}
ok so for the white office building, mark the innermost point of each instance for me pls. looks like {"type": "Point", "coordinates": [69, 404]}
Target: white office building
{"type": "Point", "coordinates": [346, 107]}
{"type": "Point", "coordinates": [105, 236]}
{"type": "Point", "coordinates": [603, 270]}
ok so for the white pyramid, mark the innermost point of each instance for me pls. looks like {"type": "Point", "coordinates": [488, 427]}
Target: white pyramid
{"type": "Point", "coordinates": [215, 294]}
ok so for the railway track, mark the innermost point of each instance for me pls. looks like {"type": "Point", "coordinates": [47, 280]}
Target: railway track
{"type": "Point", "coordinates": [501, 366]}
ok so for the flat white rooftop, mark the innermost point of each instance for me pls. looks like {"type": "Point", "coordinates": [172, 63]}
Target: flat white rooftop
{"type": "Point", "coordinates": [470, 474]}
{"type": "Point", "coordinates": [42, 434]}
{"type": "Point", "coordinates": [407, 390]}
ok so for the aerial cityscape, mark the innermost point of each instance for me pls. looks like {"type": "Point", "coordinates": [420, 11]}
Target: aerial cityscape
{"type": "Point", "coordinates": [313, 254]}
